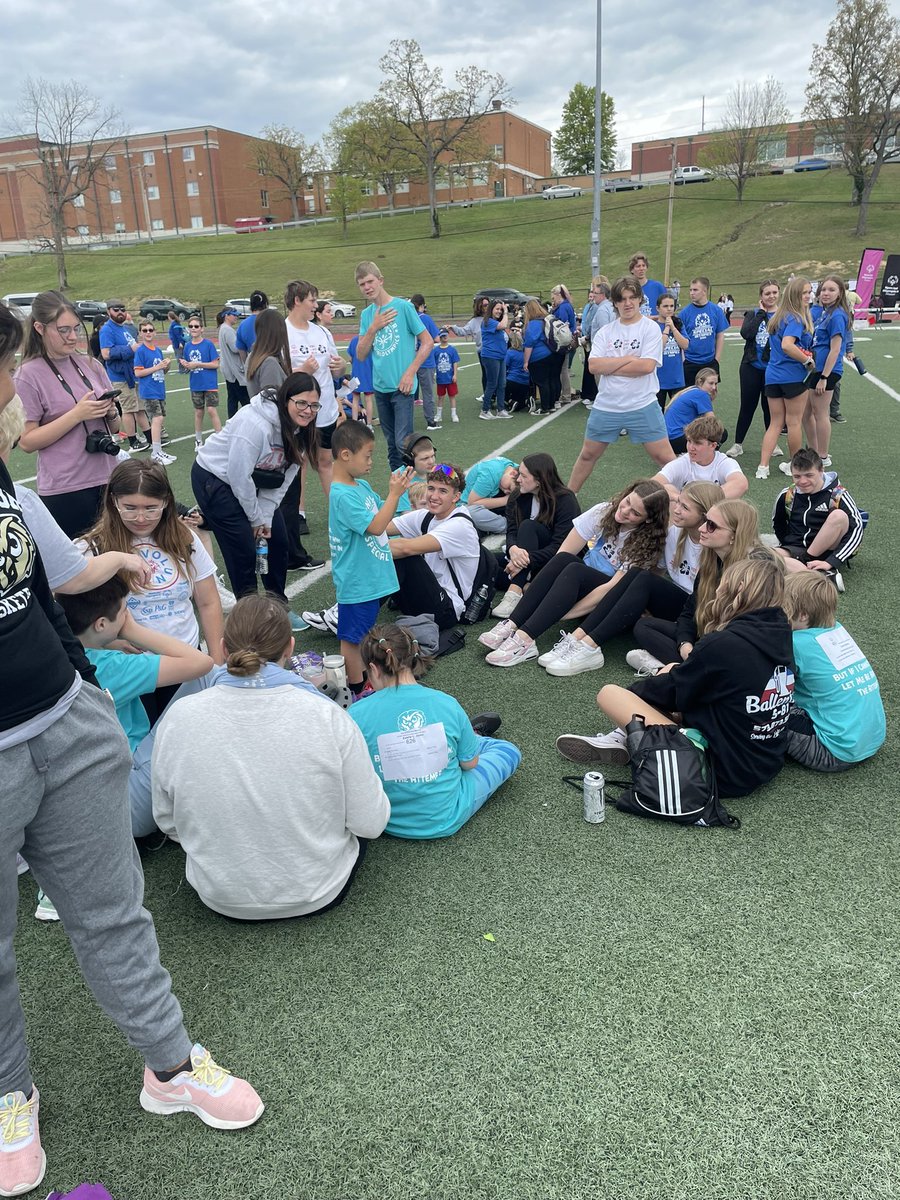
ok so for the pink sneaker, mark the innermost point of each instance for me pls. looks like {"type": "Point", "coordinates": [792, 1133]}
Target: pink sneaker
{"type": "Point", "coordinates": [217, 1097]}
{"type": "Point", "coordinates": [511, 653]}
{"type": "Point", "coordinates": [494, 638]}
{"type": "Point", "coordinates": [22, 1160]}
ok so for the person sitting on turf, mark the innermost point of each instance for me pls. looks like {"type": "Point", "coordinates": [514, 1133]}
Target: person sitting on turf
{"type": "Point", "coordinates": [735, 688]}
{"type": "Point", "coordinates": [690, 403]}
{"type": "Point", "coordinates": [437, 771]}
{"type": "Point", "coordinates": [487, 490]}
{"type": "Point", "coordinates": [816, 520]}
{"type": "Point", "coordinates": [703, 461]}
{"type": "Point", "coordinates": [420, 453]}
{"type": "Point", "coordinates": [838, 717]}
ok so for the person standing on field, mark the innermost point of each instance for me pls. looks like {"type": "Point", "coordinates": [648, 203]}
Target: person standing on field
{"type": "Point", "coordinates": [231, 361]}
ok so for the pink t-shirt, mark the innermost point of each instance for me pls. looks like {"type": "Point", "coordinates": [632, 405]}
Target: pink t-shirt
{"type": "Point", "coordinates": [65, 466]}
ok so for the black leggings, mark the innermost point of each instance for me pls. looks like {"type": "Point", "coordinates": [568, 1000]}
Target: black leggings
{"type": "Point", "coordinates": [420, 592]}
{"type": "Point", "coordinates": [588, 381]}
{"type": "Point", "coordinates": [530, 536]}
{"type": "Point", "coordinates": [753, 395]}
{"type": "Point", "coordinates": [545, 377]}
{"type": "Point", "coordinates": [637, 593]}
{"type": "Point", "coordinates": [657, 635]}
{"type": "Point", "coordinates": [518, 395]}
{"type": "Point", "coordinates": [559, 585]}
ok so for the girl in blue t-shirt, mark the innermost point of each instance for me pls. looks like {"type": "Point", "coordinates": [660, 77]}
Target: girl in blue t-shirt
{"type": "Point", "coordinates": [689, 404]}
{"type": "Point", "coordinates": [670, 376]}
{"type": "Point", "coordinates": [493, 360]}
{"type": "Point", "coordinates": [790, 358]}
{"type": "Point", "coordinates": [435, 768]}
{"type": "Point", "coordinates": [829, 344]}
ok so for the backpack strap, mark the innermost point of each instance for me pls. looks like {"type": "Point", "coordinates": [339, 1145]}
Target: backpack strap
{"type": "Point", "coordinates": [429, 517]}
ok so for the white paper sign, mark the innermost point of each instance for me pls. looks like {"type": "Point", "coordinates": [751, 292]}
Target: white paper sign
{"type": "Point", "coordinates": [414, 753]}
{"type": "Point", "coordinates": [840, 647]}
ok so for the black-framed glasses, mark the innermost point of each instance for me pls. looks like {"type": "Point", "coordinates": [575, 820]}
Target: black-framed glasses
{"type": "Point", "coordinates": [304, 405]}
{"type": "Point", "coordinates": [711, 525]}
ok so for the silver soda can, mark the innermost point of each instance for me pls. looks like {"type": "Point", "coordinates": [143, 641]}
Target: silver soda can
{"type": "Point", "coordinates": [594, 797]}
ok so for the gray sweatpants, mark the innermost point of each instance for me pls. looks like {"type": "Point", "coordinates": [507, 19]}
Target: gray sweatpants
{"type": "Point", "coordinates": [64, 805]}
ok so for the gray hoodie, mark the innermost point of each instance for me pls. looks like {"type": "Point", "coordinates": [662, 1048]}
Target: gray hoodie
{"type": "Point", "coordinates": [250, 439]}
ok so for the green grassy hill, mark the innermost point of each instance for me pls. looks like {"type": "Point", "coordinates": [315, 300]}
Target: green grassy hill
{"type": "Point", "coordinates": [789, 223]}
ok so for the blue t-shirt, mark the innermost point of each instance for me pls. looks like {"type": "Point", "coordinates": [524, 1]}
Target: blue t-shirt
{"type": "Point", "coordinates": [246, 334]}
{"type": "Point", "coordinates": [515, 366]}
{"type": "Point", "coordinates": [534, 337]}
{"type": "Point", "coordinates": [484, 478]}
{"type": "Point", "coordinates": [431, 805]}
{"type": "Point", "coordinates": [565, 312]}
{"type": "Point", "coordinates": [360, 369]}
{"type": "Point", "coordinates": [394, 347]}
{"type": "Point", "coordinates": [692, 402]}
{"type": "Point", "coordinates": [444, 358]}
{"type": "Point", "coordinates": [493, 339]}
{"type": "Point", "coordinates": [150, 387]}
{"type": "Point", "coordinates": [428, 364]}
{"type": "Point", "coordinates": [702, 324]}
{"type": "Point", "coordinates": [176, 335]}
{"type": "Point", "coordinates": [781, 368]}
{"type": "Point", "coordinates": [206, 380]}
{"type": "Point", "coordinates": [119, 341]}
{"type": "Point", "coordinates": [671, 373]}
{"type": "Point", "coordinates": [653, 289]}
{"type": "Point", "coordinates": [127, 677]}
{"type": "Point", "coordinates": [835, 684]}
{"type": "Point", "coordinates": [830, 322]}
{"type": "Point", "coordinates": [361, 562]}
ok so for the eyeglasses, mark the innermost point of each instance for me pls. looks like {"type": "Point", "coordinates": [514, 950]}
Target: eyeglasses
{"type": "Point", "coordinates": [711, 525]}
{"type": "Point", "coordinates": [304, 405]}
{"type": "Point", "coordinates": [133, 510]}
{"type": "Point", "coordinates": [70, 330]}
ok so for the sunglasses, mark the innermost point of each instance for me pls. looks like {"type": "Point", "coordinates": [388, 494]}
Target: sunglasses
{"type": "Point", "coordinates": [116, 308]}
{"type": "Point", "coordinates": [447, 469]}
{"type": "Point", "coordinates": [195, 326]}
{"type": "Point", "coordinates": [711, 525]}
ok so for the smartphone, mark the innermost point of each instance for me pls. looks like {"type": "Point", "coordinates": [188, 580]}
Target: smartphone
{"type": "Point", "coordinates": [112, 395]}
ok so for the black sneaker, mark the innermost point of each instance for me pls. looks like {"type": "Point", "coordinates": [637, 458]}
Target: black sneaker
{"type": "Point", "coordinates": [838, 418]}
{"type": "Point", "coordinates": [140, 443]}
{"type": "Point", "coordinates": [305, 564]}
{"type": "Point", "coordinates": [486, 724]}
{"type": "Point", "coordinates": [433, 425]}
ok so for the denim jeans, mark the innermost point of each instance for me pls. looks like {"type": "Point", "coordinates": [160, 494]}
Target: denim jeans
{"type": "Point", "coordinates": [395, 412]}
{"type": "Point", "coordinates": [494, 384]}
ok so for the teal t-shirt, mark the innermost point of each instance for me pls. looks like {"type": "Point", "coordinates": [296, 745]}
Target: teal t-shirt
{"type": "Point", "coordinates": [485, 477]}
{"type": "Point", "coordinates": [835, 684]}
{"type": "Point", "coordinates": [394, 347]}
{"type": "Point", "coordinates": [361, 562]}
{"type": "Point", "coordinates": [127, 677]}
{"type": "Point", "coordinates": [417, 725]}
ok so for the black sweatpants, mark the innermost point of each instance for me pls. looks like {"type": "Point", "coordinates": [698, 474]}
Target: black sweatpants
{"type": "Point", "coordinates": [530, 536]}
{"type": "Point", "coordinates": [637, 593]}
{"type": "Point", "coordinates": [657, 635]}
{"type": "Point", "coordinates": [75, 512]}
{"type": "Point", "coordinates": [420, 592]}
{"type": "Point", "coordinates": [545, 377]}
{"type": "Point", "coordinates": [753, 396]}
{"type": "Point", "coordinates": [691, 369]}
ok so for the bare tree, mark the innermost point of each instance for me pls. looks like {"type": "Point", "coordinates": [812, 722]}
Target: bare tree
{"type": "Point", "coordinates": [73, 134]}
{"type": "Point", "coordinates": [854, 91]}
{"type": "Point", "coordinates": [430, 118]}
{"type": "Point", "coordinates": [284, 155]}
{"type": "Point", "coordinates": [755, 114]}
{"type": "Point", "coordinates": [366, 141]}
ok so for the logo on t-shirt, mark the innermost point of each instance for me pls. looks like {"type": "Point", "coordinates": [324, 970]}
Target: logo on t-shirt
{"type": "Point", "coordinates": [17, 558]}
{"type": "Point", "coordinates": [774, 704]}
{"type": "Point", "coordinates": [413, 718]}
{"type": "Point", "coordinates": [386, 340]}
{"type": "Point", "coordinates": [164, 572]}
{"type": "Point", "coordinates": [702, 327]}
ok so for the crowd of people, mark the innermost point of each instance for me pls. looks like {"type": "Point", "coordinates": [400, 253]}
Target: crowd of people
{"type": "Point", "coordinates": [140, 692]}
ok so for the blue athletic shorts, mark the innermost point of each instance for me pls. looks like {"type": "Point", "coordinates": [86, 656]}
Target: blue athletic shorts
{"type": "Point", "coordinates": [355, 620]}
{"type": "Point", "coordinates": [645, 424]}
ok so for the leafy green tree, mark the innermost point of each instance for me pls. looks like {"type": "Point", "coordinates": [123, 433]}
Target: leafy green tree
{"type": "Point", "coordinates": [573, 146]}
{"type": "Point", "coordinates": [345, 196]}
{"type": "Point", "coordinates": [366, 141]}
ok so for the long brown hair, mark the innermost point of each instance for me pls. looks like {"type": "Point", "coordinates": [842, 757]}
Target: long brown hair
{"type": "Point", "coordinates": [45, 308]}
{"type": "Point", "coordinates": [790, 304]}
{"type": "Point", "coordinates": [842, 302]}
{"type": "Point", "coordinates": [271, 342]}
{"type": "Point", "coordinates": [257, 631]}
{"type": "Point", "coordinates": [550, 486]}
{"type": "Point", "coordinates": [644, 546]}
{"type": "Point", "coordinates": [142, 478]}
{"type": "Point", "coordinates": [297, 440]}
{"type": "Point", "coordinates": [743, 521]}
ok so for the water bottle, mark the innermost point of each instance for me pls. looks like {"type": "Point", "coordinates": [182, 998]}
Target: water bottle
{"type": "Point", "coordinates": [477, 605]}
{"type": "Point", "coordinates": [262, 556]}
{"type": "Point", "coordinates": [860, 365]}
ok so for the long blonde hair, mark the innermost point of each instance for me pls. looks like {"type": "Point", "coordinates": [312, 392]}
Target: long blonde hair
{"type": "Point", "coordinates": [705, 495]}
{"type": "Point", "coordinates": [791, 305]}
{"type": "Point", "coordinates": [743, 521]}
{"type": "Point", "coordinates": [747, 585]}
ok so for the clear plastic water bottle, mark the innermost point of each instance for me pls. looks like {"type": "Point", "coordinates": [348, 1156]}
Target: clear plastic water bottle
{"type": "Point", "coordinates": [477, 605]}
{"type": "Point", "coordinates": [262, 556]}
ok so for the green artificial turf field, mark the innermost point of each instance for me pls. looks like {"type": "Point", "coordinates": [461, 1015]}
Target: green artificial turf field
{"type": "Point", "coordinates": [660, 1012]}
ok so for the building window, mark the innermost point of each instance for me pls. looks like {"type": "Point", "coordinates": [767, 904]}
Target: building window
{"type": "Point", "coordinates": [187, 154]}
{"type": "Point", "coordinates": [771, 148]}
{"type": "Point", "coordinates": [84, 230]}
{"type": "Point", "coordinates": [442, 182]}
{"type": "Point", "coordinates": [109, 162]}
{"type": "Point", "coordinates": [119, 226]}
{"type": "Point", "coordinates": [498, 151]}
{"type": "Point", "coordinates": [193, 189]}
{"type": "Point", "coordinates": [479, 176]}
{"type": "Point", "coordinates": [310, 204]}
{"type": "Point", "coordinates": [78, 202]}
{"type": "Point", "coordinates": [264, 197]}
{"type": "Point", "coordinates": [827, 144]}
{"type": "Point", "coordinates": [153, 193]}
{"type": "Point", "coordinates": [196, 222]}
{"type": "Point", "coordinates": [366, 189]}
{"type": "Point", "coordinates": [149, 158]}
{"type": "Point", "coordinates": [115, 196]}
{"type": "Point", "coordinates": [157, 223]}
{"type": "Point", "coordinates": [309, 181]}
{"type": "Point", "coordinates": [402, 187]}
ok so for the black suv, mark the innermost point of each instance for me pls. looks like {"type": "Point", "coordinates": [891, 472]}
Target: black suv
{"type": "Point", "coordinates": [91, 310]}
{"type": "Point", "coordinates": [159, 309]}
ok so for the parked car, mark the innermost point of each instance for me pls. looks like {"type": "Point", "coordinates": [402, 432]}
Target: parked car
{"type": "Point", "coordinates": [91, 310]}
{"type": "Point", "coordinates": [621, 185]}
{"type": "Point", "coordinates": [507, 295]}
{"type": "Point", "coordinates": [159, 309]}
{"type": "Point", "coordinates": [241, 303]}
{"type": "Point", "coordinates": [253, 224]}
{"type": "Point", "coordinates": [812, 164]}
{"type": "Point", "coordinates": [692, 175]}
{"type": "Point", "coordinates": [343, 308]}
{"type": "Point", "coordinates": [20, 303]}
{"type": "Point", "coordinates": [561, 191]}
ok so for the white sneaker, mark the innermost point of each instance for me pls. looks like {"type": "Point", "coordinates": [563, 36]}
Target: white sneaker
{"type": "Point", "coordinates": [762, 472]}
{"type": "Point", "coordinates": [325, 620]}
{"type": "Point", "coordinates": [581, 658]}
{"type": "Point", "coordinates": [478, 399]}
{"type": "Point", "coordinates": [826, 461]}
{"type": "Point", "coordinates": [507, 604]}
{"type": "Point", "coordinates": [736, 450]}
{"type": "Point", "coordinates": [504, 414]}
{"type": "Point", "coordinates": [643, 662]}
{"type": "Point", "coordinates": [559, 649]}
{"type": "Point", "coordinates": [494, 638]}
{"type": "Point", "coordinates": [228, 598]}
{"type": "Point", "coordinates": [486, 416]}
{"type": "Point", "coordinates": [511, 653]}
{"type": "Point", "coordinates": [777, 452]}
{"type": "Point", "coordinates": [454, 418]}
{"type": "Point", "coordinates": [198, 445]}
{"type": "Point", "coordinates": [21, 864]}
{"type": "Point", "coordinates": [605, 747]}
{"type": "Point", "coordinates": [164, 460]}
{"type": "Point", "coordinates": [46, 909]}
{"type": "Point", "coordinates": [784, 468]}
{"type": "Point", "coordinates": [438, 416]}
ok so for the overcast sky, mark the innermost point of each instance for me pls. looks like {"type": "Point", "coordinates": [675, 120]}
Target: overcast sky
{"type": "Point", "coordinates": [244, 66]}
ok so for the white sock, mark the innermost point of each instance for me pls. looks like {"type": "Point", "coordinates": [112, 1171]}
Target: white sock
{"type": "Point", "coordinates": [156, 450]}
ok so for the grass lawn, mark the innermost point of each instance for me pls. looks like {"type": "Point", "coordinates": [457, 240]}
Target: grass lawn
{"type": "Point", "coordinates": [662, 1012]}
{"type": "Point", "coordinates": [791, 222]}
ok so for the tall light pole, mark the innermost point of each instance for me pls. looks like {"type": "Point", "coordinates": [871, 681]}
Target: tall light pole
{"type": "Point", "coordinates": [598, 154]}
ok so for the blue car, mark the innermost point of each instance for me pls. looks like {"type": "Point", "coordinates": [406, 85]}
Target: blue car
{"type": "Point", "coordinates": [813, 164]}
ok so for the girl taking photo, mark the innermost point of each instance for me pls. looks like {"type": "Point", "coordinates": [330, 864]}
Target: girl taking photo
{"type": "Point", "coordinates": [790, 358]}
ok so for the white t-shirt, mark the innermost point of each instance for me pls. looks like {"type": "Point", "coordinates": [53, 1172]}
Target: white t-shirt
{"type": "Point", "coordinates": [603, 554]}
{"type": "Point", "coordinates": [61, 557]}
{"type": "Point", "coordinates": [459, 543]}
{"type": "Point", "coordinates": [643, 339]}
{"type": "Point", "coordinates": [681, 471]}
{"type": "Point", "coordinates": [684, 571]}
{"type": "Point", "coordinates": [318, 342]}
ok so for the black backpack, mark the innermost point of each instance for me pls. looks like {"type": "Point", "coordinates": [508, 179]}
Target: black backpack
{"type": "Point", "coordinates": [479, 600]}
{"type": "Point", "coordinates": [672, 779]}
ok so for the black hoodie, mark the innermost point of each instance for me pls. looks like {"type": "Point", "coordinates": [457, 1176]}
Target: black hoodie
{"type": "Point", "coordinates": [735, 687]}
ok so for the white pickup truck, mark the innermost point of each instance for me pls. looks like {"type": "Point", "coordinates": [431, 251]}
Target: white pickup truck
{"type": "Point", "coordinates": [692, 175]}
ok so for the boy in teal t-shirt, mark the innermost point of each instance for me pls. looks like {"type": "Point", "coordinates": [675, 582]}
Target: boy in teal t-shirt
{"type": "Point", "coordinates": [838, 716]}
{"type": "Point", "coordinates": [487, 489]}
{"type": "Point", "coordinates": [361, 561]}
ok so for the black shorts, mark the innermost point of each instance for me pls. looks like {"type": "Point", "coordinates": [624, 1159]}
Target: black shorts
{"type": "Point", "coordinates": [799, 552]}
{"type": "Point", "coordinates": [325, 433]}
{"type": "Point", "coordinates": [831, 381]}
{"type": "Point", "coordinates": [785, 391]}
